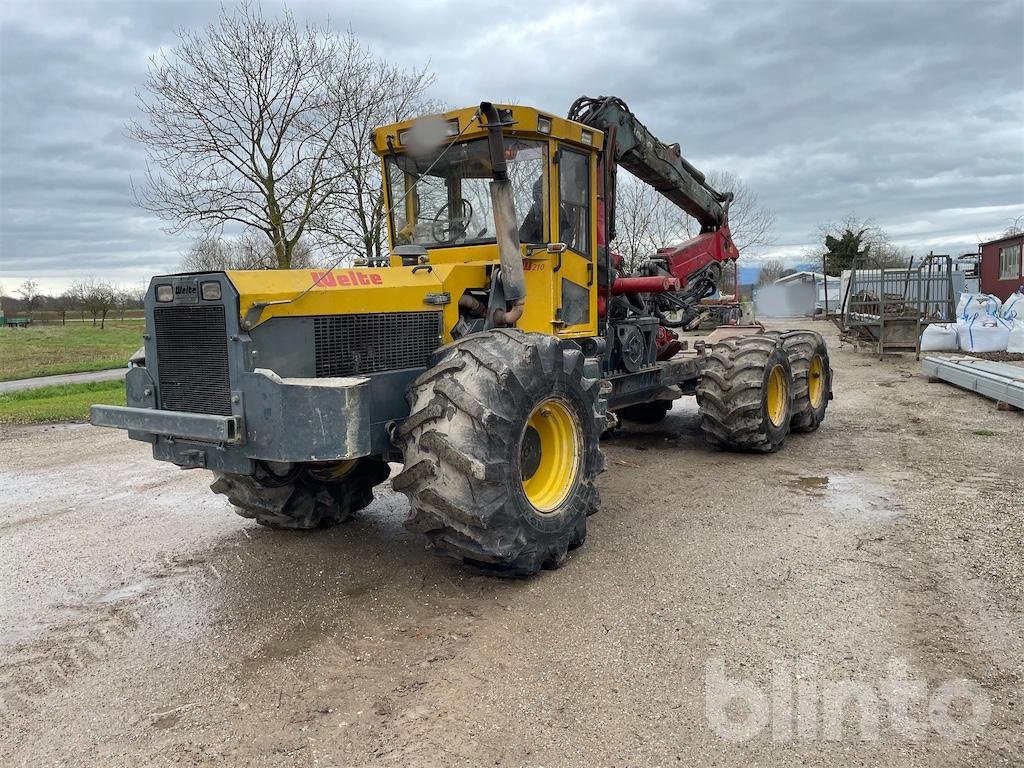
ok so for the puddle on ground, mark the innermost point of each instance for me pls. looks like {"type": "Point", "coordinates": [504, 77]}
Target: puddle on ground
{"type": "Point", "coordinates": [125, 592]}
{"type": "Point", "coordinates": [72, 609]}
{"type": "Point", "coordinates": [809, 483]}
{"type": "Point", "coordinates": [849, 496]}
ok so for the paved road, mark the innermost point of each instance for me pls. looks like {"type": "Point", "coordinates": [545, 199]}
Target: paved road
{"type": "Point", "coordinates": [716, 610]}
{"type": "Point", "coordinates": [64, 378]}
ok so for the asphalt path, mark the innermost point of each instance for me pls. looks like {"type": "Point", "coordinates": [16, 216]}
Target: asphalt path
{"type": "Point", "coordinates": [64, 378]}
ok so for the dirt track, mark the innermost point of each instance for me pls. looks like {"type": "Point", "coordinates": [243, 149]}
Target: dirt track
{"type": "Point", "coordinates": [142, 623]}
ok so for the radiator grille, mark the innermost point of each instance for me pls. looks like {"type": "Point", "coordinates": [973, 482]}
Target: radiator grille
{"type": "Point", "coordinates": [192, 359]}
{"type": "Point", "coordinates": [352, 345]}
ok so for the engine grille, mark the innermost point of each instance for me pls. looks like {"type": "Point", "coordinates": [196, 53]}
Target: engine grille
{"type": "Point", "coordinates": [352, 345]}
{"type": "Point", "coordinates": [192, 359]}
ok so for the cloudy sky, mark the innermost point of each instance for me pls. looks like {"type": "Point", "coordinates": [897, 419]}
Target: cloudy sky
{"type": "Point", "coordinates": [910, 112]}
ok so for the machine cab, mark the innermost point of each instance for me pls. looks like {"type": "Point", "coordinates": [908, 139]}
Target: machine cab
{"type": "Point", "coordinates": [437, 176]}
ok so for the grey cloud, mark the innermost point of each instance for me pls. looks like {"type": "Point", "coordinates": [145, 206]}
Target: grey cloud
{"type": "Point", "coordinates": [909, 112]}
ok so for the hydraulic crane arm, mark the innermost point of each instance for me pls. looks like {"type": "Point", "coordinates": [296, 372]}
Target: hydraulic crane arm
{"type": "Point", "coordinates": [631, 145]}
{"type": "Point", "coordinates": [694, 266]}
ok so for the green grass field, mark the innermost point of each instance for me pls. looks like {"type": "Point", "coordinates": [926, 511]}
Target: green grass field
{"type": "Point", "coordinates": [72, 348]}
{"type": "Point", "coordinates": [67, 402]}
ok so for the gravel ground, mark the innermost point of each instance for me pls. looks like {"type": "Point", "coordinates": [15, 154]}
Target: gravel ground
{"type": "Point", "coordinates": [722, 611]}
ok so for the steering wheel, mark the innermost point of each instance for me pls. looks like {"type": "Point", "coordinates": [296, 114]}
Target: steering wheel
{"type": "Point", "coordinates": [447, 230]}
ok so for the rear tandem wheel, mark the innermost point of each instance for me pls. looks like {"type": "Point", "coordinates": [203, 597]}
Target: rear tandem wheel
{"type": "Point", "coordinates": [745, 393]}
{"type": "Point", "coordinates": [812, 378]}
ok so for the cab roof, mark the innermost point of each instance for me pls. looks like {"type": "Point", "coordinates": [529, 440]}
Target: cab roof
{"type": "Point", "coordinates": [527, 122]}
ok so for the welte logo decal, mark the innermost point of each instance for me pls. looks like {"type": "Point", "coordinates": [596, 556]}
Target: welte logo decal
{"type": "Point", "coordinates": [346, 278]}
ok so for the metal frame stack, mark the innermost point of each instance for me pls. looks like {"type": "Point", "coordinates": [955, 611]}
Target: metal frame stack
{"type": "Point", "coordinates": [887, 309]}
{"type": "Point", "coordinates": [1001, 382]}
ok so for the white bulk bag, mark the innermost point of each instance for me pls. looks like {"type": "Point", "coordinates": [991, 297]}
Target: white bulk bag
{"type": "Point", "coordinates": [940, 337]}
{"type": "Point", "coordinates": [1015, 341]}
{"type": "Point", "coordinates": [983, 333]}
{"type": "Point", "coordinates": [1013, 309]}
{"type": "Point", "coordinates": [971, 304]}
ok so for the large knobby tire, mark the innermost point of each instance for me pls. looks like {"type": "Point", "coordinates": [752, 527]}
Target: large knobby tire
{"type": "Point", "coordinates": [812, 378]}
{"type": "Point", "coordinates": [646, 413]}
{"type": "Point", "coordinates": [307, 496]}
{"type": "Point", "coordinates": [501, 451]}
{"type": "Point", "coordinates": [745, 394]}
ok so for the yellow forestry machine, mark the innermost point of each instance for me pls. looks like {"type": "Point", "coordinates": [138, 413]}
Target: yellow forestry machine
{"type": "Point", "coordinates": [487, 352]}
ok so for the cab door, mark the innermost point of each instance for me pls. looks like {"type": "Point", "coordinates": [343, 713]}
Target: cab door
{"type": "Point", "coordinates": [573, 223]}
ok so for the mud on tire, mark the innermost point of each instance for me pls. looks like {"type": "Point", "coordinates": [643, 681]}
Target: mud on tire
{"type": "Point", "coordinates": [734, 394]}
{"type": "Point", "coordinates": [468, 447]}
{"type": "Point", "coordinates": [812, 378]}
{"type": "Point", "coordinates": [305, 497]}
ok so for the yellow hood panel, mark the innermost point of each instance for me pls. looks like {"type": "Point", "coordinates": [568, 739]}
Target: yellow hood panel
{"type": "Point", "coordinates": [345, 291]}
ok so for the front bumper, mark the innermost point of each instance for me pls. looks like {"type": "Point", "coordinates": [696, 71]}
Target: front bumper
{"type": "Point", "coordinates": [273, 419]}
{"type": "Point", "coordinates": [188, 426]}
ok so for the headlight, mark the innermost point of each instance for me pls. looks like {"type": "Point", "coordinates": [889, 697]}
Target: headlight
{"type": "Point", "coordinates": [210, 291]}
{"type": "Point", "coordinates": [164, 293]}
{"type": "Point", "coordinates": [543, 124]}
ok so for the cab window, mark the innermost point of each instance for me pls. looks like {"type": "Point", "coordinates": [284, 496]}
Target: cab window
{"type": "Point", "coordinates": [443, 198]}
{"type": "Point", "coordinates": [574, 212]}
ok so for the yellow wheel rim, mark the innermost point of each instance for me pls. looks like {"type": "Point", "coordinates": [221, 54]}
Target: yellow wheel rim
{"type": "Point", "coordinates": [778, 395]}
{"type": "Point", "coordinates": [342, 468]}
{"type": "Point", "coordinates": [816, 382]}
{"type": "Point", "coordinates": [549, 455]}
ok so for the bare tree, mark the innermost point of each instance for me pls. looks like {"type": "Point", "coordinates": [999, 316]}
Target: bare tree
{"type": "Point", "coordinates": [213, 254]}
{"type": "Point", "coordinates": [891, 256]}
{"type": "Point", "coordinates": [29, 292]}
{"type": "Point", "coordinates": [77, 291]}
{"type": "Point", "coordinates": [1016, 227]}
{"type": "Point", "coordinates": [97, 297]}
{"type": "Point", "coordinates": [138, 295]}
{"type": "Point", "coordinates": [64, 303]}
{"type": "Point", "coordinates": [80, 290]}
{"type": "Point", "coordinates": [5, 301]}
{"type": "Point", "coordinates": [750, 221]}
{"type": "Point", "coordinates": [243, 123]}
{"type": "Point", "coordinates": [103, 299]}
{"type": "Point", "coordinates": [239, 126]}
{"type": "Point", "coordinates": [646, 221]}
{"type": "Point", "coordinates": [771, 270]}
{"type": "Point", "coordinates": [373, 93]}
{"type": "Point", "coordinates": [247, 251]}
{"type": "Point", "coordinates": [124, 299]}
